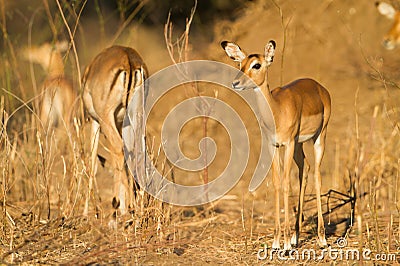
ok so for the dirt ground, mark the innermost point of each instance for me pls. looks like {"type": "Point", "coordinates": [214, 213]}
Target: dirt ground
{"type": "Point", "coordinates": [338, 43]}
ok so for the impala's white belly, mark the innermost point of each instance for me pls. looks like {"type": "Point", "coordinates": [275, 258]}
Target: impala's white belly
{"type": "Point", "coordinates": [304, 138]}
{"type": "Point", "coordinates": [310, 126]}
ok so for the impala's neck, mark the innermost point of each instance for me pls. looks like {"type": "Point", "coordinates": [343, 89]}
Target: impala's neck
{"type": "Point", "coordinates": [268, 108]}
{"type": "Point", "coordinates": [55, 65]}
{"type": "Point", "coordinates": [264, 89]}
{"type": "Point", "coordinates": [49, 59]}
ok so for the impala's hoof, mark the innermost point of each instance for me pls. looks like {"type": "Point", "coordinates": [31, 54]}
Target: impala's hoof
{"type": "Point", "coordinates": [275, 245]}
{"type": "Point", "coordinates": [112, 224]}
{"type": "Point", "coordinates": [322, 243]}
{"type": "Point", "coordinates": [294, 241]}
{"type": "Point", "coordinates": [116, 203]}
{"type": "Point", "coordinates": [287, 247]}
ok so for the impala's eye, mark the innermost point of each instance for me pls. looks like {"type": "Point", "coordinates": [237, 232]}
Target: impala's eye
{"type": "Point", "coordinates": [257, 66]}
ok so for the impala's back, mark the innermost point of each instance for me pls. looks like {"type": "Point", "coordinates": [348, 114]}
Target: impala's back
{"type": "Point", "coordinates": [110, 79]}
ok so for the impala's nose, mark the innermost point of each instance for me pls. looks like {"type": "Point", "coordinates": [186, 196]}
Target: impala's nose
{"type": "Point", "coordinates": [235, 83]}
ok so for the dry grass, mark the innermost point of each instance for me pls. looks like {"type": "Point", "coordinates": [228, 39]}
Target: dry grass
{"type": "Point", "coordinates": [44, 174]}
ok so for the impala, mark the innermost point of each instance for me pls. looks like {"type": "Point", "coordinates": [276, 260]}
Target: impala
{"type": "Point", "coordinates": [392, 38]}
{"type": "Point", "coordinates": [108, 85]}
{"type": "Point", "coordinates": [301, 111]}
{"type": "Point", "coordinates": [58, 94]}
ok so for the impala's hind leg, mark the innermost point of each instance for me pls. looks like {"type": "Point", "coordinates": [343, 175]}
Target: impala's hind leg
{"type": "Point", "coordinates": [319, 148]}
{"type": "Point", "coordinates": [304, 168]}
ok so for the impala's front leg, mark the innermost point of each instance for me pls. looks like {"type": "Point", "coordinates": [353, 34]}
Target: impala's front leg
{"type": "Point", "coordinates": [117, 160]}
{"type": "Point", "coordinates": [121, 194]}
{"type": "Point", "coordinates": [289, 151]}
{"type": "Point", "coordinates": [277, 181]}
{"type": "Point", "coordinates": [94, 144]}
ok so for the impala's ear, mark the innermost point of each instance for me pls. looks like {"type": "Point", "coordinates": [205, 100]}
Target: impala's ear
{"type": "Point", "coordinates": [270, 52]}
{"type": "Point", "coordinates": [233, 51]}
{"type": "Point", "coordinates": [386, 9]}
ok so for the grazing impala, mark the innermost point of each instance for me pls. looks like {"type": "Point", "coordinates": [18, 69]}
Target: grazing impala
{"type": "Point", "coordinates": [392, 38]}
{"type": "Point", "coordinates": [108, 85]}
{"type": "Point", "coordinates": [301, 111]}
{"type": "Point", "coordinates": [58, 96]}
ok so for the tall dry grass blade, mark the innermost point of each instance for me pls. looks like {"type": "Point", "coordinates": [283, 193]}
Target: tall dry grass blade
{"type": "Point", "coordinates": [72, 40]}
{"type": "Point", "coordinates": [127, 21]}
{"type": "Point", "coordinates": [180, 49]}
{"type": "Point", "coordinates": [51, 20]}
{"type": "Point", "coordinates": [8, 43]}
{"type": "Point", "coordinates": [32, 72]}
{"type": "Point", "coordinates": [337, 184]}
{"type": "Point", "coordinates": [360, 235]}
{"type": "Point", "coordinates": [285, 29]}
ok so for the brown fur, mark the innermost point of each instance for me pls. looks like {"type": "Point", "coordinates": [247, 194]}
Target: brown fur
{"type": "Point", "coordinates": [392, 37]}
{"type": "Point", "coordinates": [108, 83]}
{"type": "Point", "coordinates": [58, 95]}
{"type": "Point", "coordinates": [301, 110]}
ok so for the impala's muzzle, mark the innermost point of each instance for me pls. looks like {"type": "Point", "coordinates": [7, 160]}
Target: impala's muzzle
{"type": "Point", "coordinates": [242, 82]}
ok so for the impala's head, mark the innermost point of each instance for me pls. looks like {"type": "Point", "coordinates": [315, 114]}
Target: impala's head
{"type": "Point", "coordinates": [392, 38]}
{"type": "Point", "coordinates": [47, 55]}
{"type": "Point", "coordinates": [253, 65]}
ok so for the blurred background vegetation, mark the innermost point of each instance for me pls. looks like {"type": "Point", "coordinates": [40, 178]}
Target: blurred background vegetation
{"type": "Point", "coordinates": [94, 24]}
{"type": "Point", "coordinates": [18, 15]}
